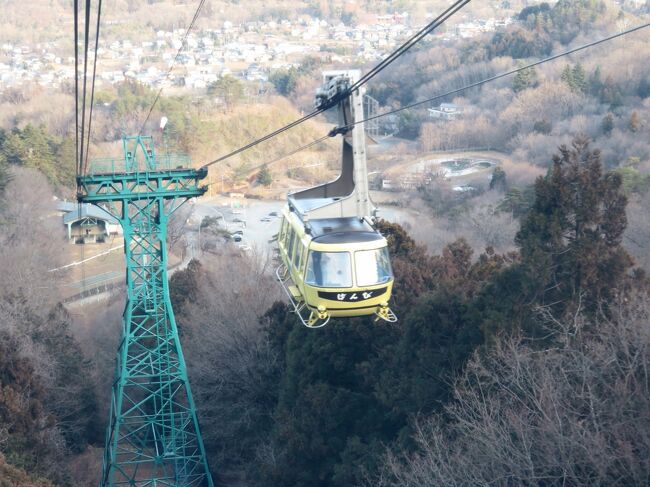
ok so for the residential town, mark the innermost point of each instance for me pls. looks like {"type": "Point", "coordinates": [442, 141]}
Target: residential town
{"type": "Point", "coordinates": [250, 51]}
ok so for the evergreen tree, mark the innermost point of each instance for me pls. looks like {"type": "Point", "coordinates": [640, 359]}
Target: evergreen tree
{"type": "Point", "coordinates": [573, 16]}
{"type": "Point", "coordinates": [498, 180]}
{"type": "Point", "coordinates": [228, 88]}
{"type": "Point", "coordinates": [575, 78]}
{"type": "Point", "coordinates": [571, 238]}
{"type": "Point", "coordinates": [567, 77]}
{"type": "Point", "coordinates": [32, 147]}
{"type": "Point", "coordinates": [284, 80]}
{"type": "Point", "coordinates": [329, 426]}
{"type": "Point", "coordinates": [607, 125]}
{"type": "Point", "coordinates": [264, 177]}
{"type": "Point", "coordinates": [524, 79]}
{"type": "Point", "coordinates": [579, 78]}
{"type": "Point", "coordinates": [643, 90]}
{"type": "Point", "coordinates": [635, 122]}
{"type": "Point", "coordinates": [184, 285]}
{"type": "Point", "coordinates": [542, 127]}
{"type": "Point", "coordinates": [595, 83]}
{"type": "Point", "coordinates": [611, 94]}
{"type": "Point", "coordinates": [4, 175]}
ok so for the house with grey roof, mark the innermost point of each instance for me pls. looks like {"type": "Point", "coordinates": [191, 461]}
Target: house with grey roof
{"type": "Point", "coordinates": [87, 223]}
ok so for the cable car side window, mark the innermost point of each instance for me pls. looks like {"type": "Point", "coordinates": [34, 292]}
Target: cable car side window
{"type": "Point", "coordinates": [296, 257]}
{"type": "Point", "coordinates": [329, 269]}
{"type": "Point", "coordinates": [290, 244]}
{"type": "Point", "coordinates": [372, 267]}
{"type": "Point", "coordinates": [283, 231]}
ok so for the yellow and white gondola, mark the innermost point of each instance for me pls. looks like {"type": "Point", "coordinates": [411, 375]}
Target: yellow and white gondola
{"type": "Point", "coordinates": [334, 262]}
{"type": "Point", "coordinates": [336, 267]}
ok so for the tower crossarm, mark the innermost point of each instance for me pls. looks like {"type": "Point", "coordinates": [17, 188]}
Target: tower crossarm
{"type": "Point", "coordinates": [170, 184]}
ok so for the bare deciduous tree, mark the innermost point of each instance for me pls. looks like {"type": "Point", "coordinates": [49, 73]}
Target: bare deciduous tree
{"type": "Point", "coordinates": [574, 415]}
{"type": "Point", "coordinates": [232, 366]}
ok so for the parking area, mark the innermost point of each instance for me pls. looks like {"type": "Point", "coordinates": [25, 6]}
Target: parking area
{"type": "Point", "coordinates": [252, 224]}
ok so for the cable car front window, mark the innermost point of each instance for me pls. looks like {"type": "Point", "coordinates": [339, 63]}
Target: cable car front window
{"type": "Point", "coordinates": [372, 266]}
{"type": "Point", "coordinates": [329, 269]}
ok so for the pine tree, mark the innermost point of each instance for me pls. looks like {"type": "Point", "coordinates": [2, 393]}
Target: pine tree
{"type": "Point", "coordinates": [228, 88]}
{"type": "Point", "coordinates": [542, 127]}
{"type": "Point", "coordinates": [643, 90]}
{"type": "Point", "coordinates": [607, 125]}
{"type": "Point", "coordinates": [264, 177]}
{"type": "Point", "coordinates": [579, 79]}
{"type": "Point", "coordinates": [498, 180]}
{"type": "Point", "coordinates": [524, 79]}
{"type": "Point", "coordinates": [635, 122]}
{"type": "Point", "coordinates": [567, 77]}
{"type": "Point", "coordinates": [611, 93]}
{"type": "Point", "coordinates": [4, 175]}
{"type": "Point", "coordinates": [571, 238]}
{"type": "Point", "coordinates": [595, 83]}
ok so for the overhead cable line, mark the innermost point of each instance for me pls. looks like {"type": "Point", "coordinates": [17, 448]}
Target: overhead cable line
{"type": "Point", "coordinates": [92, 90]}
{"type": "Point", "coordinates": [299, 149]}
{"type": "Point", "coordinates": [421, 34]}
{"type": "Point", "coordinates": [337, 130]}
{"type": "Point", "coordinates": [266, 137]}
{"type": "Point", "coordinates": [373, 72]}
{"type": "Point", "coordinates": [503, 75]}
{"type": "Point", "coordinates": [76, 86]}
{"type": "Point", "coordinates": [171, 67]}
{"type": "Point", "coordinates": [85, 82]}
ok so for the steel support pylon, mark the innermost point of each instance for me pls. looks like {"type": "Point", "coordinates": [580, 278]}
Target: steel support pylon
{"type": "Point", "coordinates": [153, 436]}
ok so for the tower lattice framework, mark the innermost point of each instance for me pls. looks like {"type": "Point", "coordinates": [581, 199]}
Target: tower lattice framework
{"type": "Point", "coordinates": [153, 437]}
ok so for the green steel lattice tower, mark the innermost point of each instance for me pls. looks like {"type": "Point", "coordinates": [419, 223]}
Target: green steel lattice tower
{"type": "Point", "coordinates": [153, 437]}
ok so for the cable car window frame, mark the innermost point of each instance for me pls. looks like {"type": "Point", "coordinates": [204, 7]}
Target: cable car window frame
{"type": "Point", "coordinates": [381, 257]}
{"type": "Point", "coordinates": [312, 282]}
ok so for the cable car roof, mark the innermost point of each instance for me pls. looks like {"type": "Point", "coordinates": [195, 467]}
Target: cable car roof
{"type": "Point", "coordinates": [342, 230]}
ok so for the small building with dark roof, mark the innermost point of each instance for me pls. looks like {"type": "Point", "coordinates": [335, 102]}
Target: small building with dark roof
{"type": "Point", "coordinates": [87, 223]}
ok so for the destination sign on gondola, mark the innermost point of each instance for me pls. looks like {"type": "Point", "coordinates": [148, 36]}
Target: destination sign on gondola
{"type": "Point", "coordinates": [352, 297]}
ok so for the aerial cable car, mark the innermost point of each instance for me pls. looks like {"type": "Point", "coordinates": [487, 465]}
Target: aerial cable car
{"type": "Point", "coordinates": [334, 261]}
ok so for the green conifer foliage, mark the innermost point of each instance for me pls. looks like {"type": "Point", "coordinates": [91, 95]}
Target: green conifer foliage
{"type": "Point", "coordinates": [499, 181]}
{"type": "Point", "coordinates": [524, 79]}
{"type": "Point", "coordinates": [33, 147]}
{"type": "Point", "coordinates": [579, 78]}
{"type": "Point", "coordinates": [607, 125]}
{"type": "Point", "coordinates": [571, 237]}
{"type": "Point", "coordinates": [635, 122]}
{"type": "Point", "coordinates": [264, 177]}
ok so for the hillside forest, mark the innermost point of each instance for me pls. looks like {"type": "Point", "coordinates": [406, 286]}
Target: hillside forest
{"type": "Point", "coordinates": [522, 351]}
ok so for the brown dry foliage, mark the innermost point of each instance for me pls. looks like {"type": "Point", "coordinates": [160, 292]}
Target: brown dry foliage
{"type": "Point", "coordinates": [14, 477]}
{"type": "Point", "coordinates": [575, 414]}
